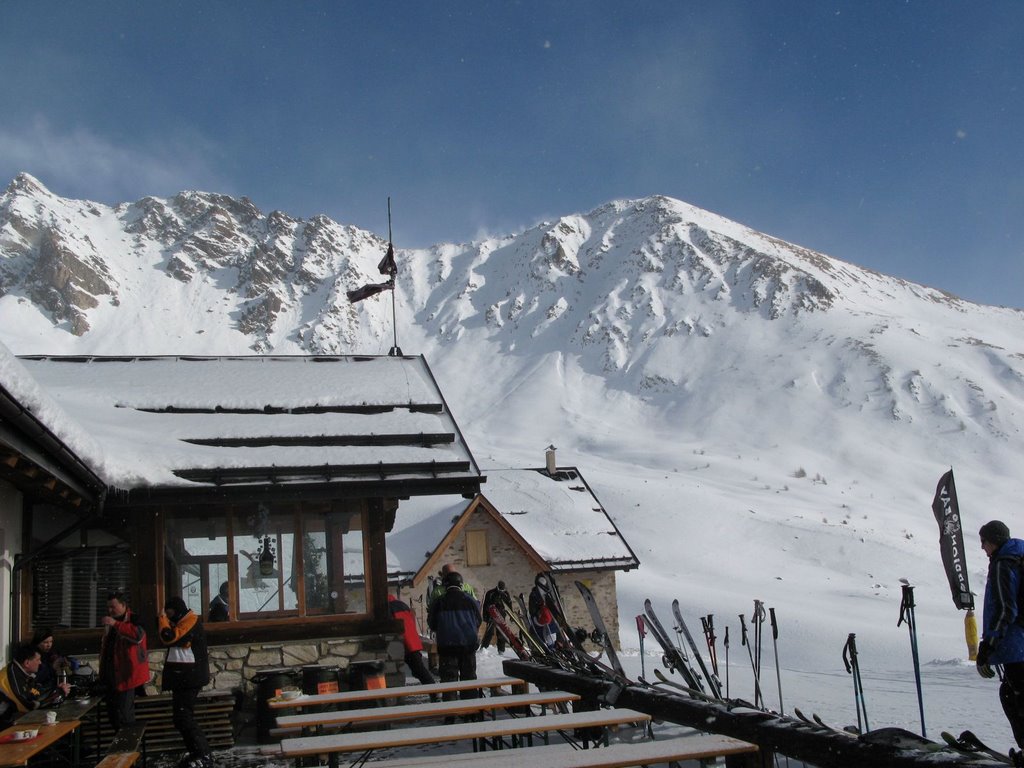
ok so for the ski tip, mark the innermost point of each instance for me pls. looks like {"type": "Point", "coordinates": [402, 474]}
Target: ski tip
{"type": "Point", "coordinates": [905, 581]}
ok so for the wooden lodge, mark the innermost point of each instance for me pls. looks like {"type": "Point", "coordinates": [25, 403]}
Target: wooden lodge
{"type": "Point", "coordinates": [279, 476]}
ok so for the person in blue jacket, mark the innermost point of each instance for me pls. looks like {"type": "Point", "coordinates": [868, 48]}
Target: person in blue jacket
{"type": "Point", "coordinates": [1002, 643]}
{"type": "Point", "coordinates": [455, 619]}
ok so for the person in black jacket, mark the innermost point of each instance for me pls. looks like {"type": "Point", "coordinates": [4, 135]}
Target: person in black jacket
{"type": "Point", "coordinates": [186, 671]}
{"type": "Point", "coordinates": [502, 600]}
{"type": "Point", "coordinates": [220, 608]}
{"type": "Point", "coordinates": [18, 690]}
{"type": "Point", "coordinates": [455, 619]}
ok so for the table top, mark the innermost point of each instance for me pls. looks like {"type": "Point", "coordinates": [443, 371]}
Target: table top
{"type": "Point", "coordinates": [69, 709]}
{"type": "Point", "coordinates": [18, 752]}
{"type": "Point", "coordinates": [346, 697]}
{"type": "Point", "coordinates": [621, 755]}
{"type": "Point", "coordinates": [402, 737]}
{"type": "Point", "coordinates": [425, 710]}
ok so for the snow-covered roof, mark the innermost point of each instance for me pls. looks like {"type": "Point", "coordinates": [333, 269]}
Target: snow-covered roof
{"type": "Point", "coordinates": [36, 434]}
{"type": "Point", "coordinates": [557, 515]}
{"type": "Point", "coordinates": [187, 422]}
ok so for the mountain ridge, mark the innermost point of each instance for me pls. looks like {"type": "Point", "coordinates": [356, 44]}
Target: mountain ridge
{"type": "Point", "coordinates": [738, 403]}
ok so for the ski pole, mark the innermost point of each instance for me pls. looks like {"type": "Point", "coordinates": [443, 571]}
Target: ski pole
{"type": "Point", "coordinates": [757, 622]}
{"type": "Point", "coordinates": [907, 614]}
{"type": "Point", "coordinates": [758, 701]}
{"type": "Point", "coordinates": [708, 622]}
{"type": "Point", "coordinates": [853, 667]}
{"type": "Point", "coordinates": [641, 632]}
{"type": "Point", "coordinates": [726, 643]}
{"type": "Point", "coordinates": [775, 644]}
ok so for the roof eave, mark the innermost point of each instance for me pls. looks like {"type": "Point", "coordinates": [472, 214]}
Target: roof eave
{"type": "Point", "coordinates": [468, 485]}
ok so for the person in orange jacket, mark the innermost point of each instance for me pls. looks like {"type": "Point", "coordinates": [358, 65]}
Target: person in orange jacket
{"type": "Point", "coordinates": [186, 671]}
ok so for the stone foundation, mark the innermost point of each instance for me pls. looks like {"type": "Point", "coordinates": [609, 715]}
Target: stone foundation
{"type": "Point", "coordinates": [234, 667]}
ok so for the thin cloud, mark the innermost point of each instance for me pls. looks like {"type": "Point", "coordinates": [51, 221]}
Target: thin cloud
{"type": "Point", "coordinates": [82, 163]}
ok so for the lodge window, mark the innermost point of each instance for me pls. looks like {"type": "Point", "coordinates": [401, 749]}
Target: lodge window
{"type": "Point", "coordinates": [477, 551]}
{"type": "Point", "coordinates": [70, 587]}
{"type": "Point", "coordinates": [278, 561]}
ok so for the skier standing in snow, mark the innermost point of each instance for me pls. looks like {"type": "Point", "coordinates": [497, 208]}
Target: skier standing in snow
{"type": "Point", "coordinates": [1002, 641]}
{"type": "Point", "coordinates": [455, 618]}
{"type": "Point", "coordinates": [499, 598]}
{"type": "Point", "coordinates": [439, 586]}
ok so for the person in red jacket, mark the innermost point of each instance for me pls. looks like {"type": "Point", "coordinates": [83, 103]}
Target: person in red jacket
{"type": "Point", "coordinates": [411, 640]}
{"type": "Point", "coordinates": [124, 660]}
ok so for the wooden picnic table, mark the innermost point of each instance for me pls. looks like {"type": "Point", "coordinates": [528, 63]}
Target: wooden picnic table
{"type": "Point", "coordinates": [17, 753]}
{"type": "Point", "coordinates": [69, 709]}
{"type": "Point", "coordinates": [486, 729]}
{"type": "Point", "coordinates": [696, 747]}
{"type": "Point", "coordinates": [429, 709]}
{"type": "Point", "coordinates": [350, 697]}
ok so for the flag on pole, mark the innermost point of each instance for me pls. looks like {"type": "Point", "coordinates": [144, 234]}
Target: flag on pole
{"type": "Point", "coordinates": [387, 266]}
{"type": "Point", "coordinates": [368, 290]}
{"type": "Point", "coordinates": [951, 541]}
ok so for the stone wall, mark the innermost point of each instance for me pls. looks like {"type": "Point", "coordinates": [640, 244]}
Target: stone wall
{"type": "Point", "coordinates": [234, 667]}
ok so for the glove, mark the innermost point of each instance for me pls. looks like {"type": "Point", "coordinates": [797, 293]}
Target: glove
{"type": "Point", "coordinates": [985, 652]}
{"type": "Point", "coordinates": [986, 671]}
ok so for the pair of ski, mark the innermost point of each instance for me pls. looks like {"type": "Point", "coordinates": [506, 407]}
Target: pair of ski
{"type": "Point", "coordinates": [816, 722]}
{"type": "Point", "coordinates": [676, 659]}
{"type": "Point", "coordinates": [571, 641]}
{"type": "Point", "coordinates": [568, 652]}
{"type": "Point", "coordinates": [970, 744]}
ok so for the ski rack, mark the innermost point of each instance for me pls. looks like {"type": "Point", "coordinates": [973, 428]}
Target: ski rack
{"type": "Point", "coordinates": [773, 733]}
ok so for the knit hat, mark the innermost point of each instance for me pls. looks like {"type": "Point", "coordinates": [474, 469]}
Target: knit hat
{"type": "Point", "coordinates": [178, 605]}
{"type": "Point", "coordinates": [995, 532]}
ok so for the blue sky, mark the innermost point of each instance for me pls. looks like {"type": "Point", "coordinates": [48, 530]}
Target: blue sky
{"type": "Point", "coordinates": [889, 134]}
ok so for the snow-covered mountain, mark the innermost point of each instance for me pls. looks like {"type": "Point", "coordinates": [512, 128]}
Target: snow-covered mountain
{"type": "Point", "coordinates": [761, 420]}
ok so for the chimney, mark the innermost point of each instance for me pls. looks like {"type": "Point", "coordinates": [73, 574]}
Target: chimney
{"type": "Point", "coordinates": [549, 460]}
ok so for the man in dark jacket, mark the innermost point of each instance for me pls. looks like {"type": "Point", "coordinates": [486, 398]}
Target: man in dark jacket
{"type": "Point", "coordinates": [1002, 642]}
{"type": "Point", "coordinates": [19, 692]}
{"type": "Point", "coordinates": [499, 598]}
{"type": "Point", "coordinates": [455, 619]}
{"type": "Point", "coordinates": [220, 608]}
{"type": "Point", "coordinates": [186, 671]}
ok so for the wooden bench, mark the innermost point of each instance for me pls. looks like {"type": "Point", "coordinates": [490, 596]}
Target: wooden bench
{"type": "Point", "coordinates": [696, 747]}
{"type": "Point", "coordinates": [212, 713]}
{"type": "Point", "coordinates": [354, 697]}
{"type": "Point", "coordinates": [459, 707]}
{"type": "Point", "coordinates": [476, 731]}
{"type": "Point", "coordinates": [123, 750]}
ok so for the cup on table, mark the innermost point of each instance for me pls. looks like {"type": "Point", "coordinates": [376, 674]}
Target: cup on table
{"type": "Point", "coordinates": [51, 717]}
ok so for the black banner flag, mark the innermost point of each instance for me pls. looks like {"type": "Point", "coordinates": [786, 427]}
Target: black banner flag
{"type": "Point", "coordinates": [951, 541]}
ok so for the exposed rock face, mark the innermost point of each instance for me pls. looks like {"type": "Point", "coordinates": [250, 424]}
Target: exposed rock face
{"type": "Point", "coordinates": [641, 292]}
{"type": "Point", "coordinates": [260, 265]}
{"type": "Point", "coordinates": [65, 283]}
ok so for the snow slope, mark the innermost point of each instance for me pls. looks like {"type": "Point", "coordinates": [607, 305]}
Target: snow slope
{"type": "Point", "coordinates": [762, 421]}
